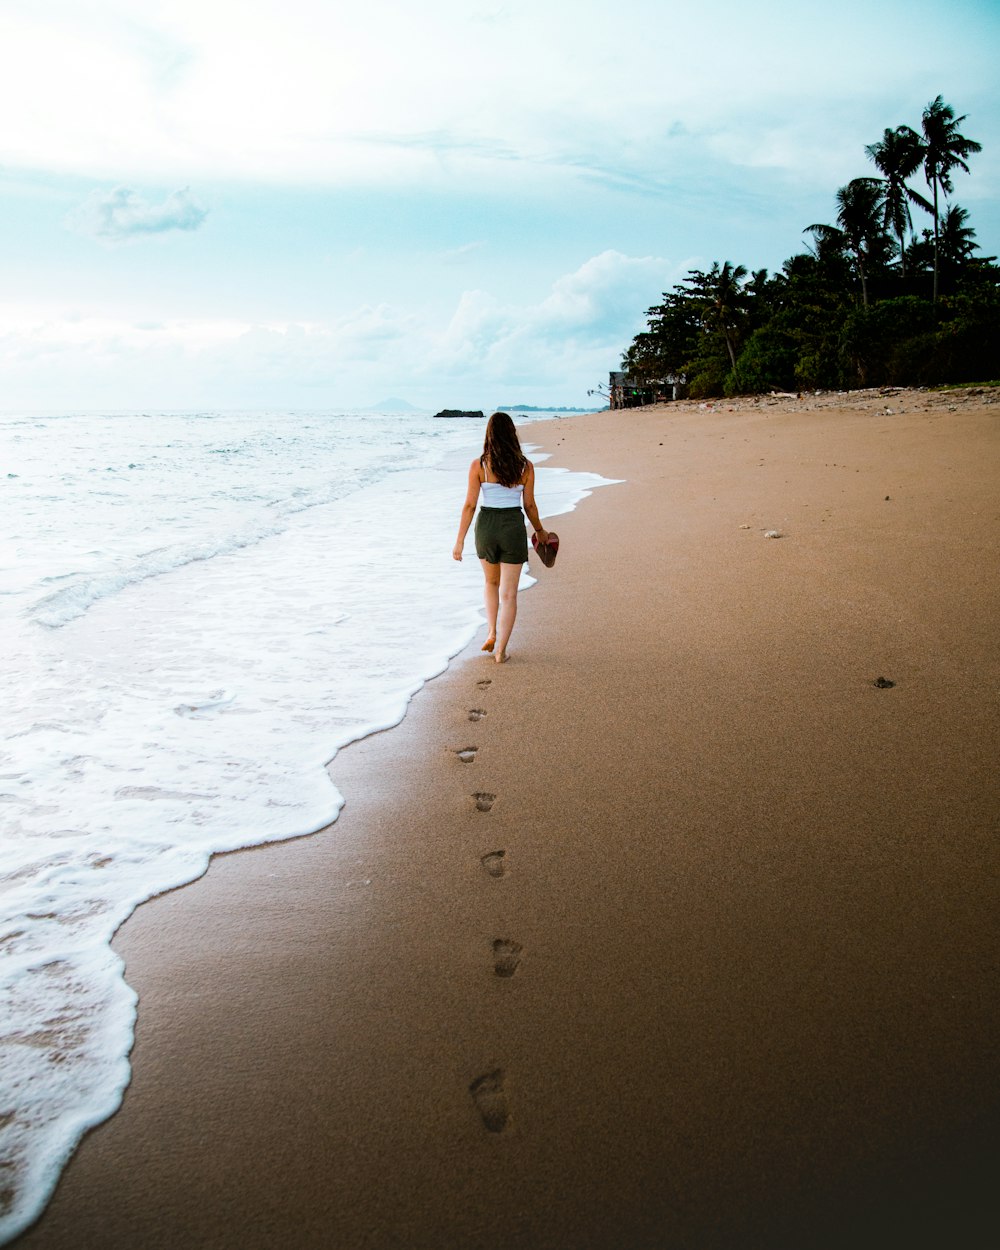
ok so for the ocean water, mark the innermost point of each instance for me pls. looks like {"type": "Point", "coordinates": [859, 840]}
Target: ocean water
{"type": "Point", "coordinates": [197, 611]}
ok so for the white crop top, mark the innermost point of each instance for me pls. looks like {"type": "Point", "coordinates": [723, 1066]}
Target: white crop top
{"type": "Point", "coordinates": [496, 496]}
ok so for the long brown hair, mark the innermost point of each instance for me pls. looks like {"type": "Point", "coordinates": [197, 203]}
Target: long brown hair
{"type": "Point", "coordinates": [502, 453]}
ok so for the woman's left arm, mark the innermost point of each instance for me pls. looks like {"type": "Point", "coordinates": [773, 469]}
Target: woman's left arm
{"type": "Point", "coordinates": [468, 509]}
{"type": "Point", "coordinates": [530, 507]}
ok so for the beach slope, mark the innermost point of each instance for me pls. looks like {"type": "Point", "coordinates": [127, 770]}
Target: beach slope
{"type": "Point", "coordinates": [677, 930]}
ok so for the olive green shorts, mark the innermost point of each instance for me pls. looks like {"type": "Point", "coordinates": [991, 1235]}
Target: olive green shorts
{"type": "Point", "coordinates": [500, 536]}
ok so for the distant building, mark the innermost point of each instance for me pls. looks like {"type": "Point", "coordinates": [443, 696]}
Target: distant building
{"type": "Point", "coordinates": [626, 392]}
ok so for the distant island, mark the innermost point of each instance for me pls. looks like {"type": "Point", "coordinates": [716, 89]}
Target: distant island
{"type": "Point", "coordinates": [394, 405]}
{"type": "Point", "coordinates": [537, 408]}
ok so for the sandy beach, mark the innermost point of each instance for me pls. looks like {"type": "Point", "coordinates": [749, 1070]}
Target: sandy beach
{"type": "Point", "coordinates": [677, 930]}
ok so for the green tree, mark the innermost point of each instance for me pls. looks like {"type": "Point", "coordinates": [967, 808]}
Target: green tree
{"type": "Point", "coordinates": [768, 360]}
{"type": "Point", "coordinates": [897, 156]}
{"type": "Point", "coordinates": [811, 309]}
{"type": "Point", "coordinates": [839, 314]}
{"type": "Point", "coordinates": [956, 245]}
{"type": "Point", "coordinates": [958, 240]}
{"type": "Point", "coordinates": [859, 229]}
{"type": "Point", "coordinates": [945, 150]}
{"type": "Point", "coordinates": [670, 341]}
{"type": "Point", "coordinates": [723, 301]}
{"type": "Point", "coordinates": [885, 343]}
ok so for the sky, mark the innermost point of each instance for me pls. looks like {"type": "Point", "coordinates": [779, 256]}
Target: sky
{"type": "Point", "coordinates": [311, 204]}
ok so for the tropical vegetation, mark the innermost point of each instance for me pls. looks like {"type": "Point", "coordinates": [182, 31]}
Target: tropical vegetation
{"type": "Point", "coordinates": [871, 301]}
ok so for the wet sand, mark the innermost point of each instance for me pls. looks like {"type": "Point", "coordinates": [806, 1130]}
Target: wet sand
{"type": "Point", "coordinates": [674, 931]}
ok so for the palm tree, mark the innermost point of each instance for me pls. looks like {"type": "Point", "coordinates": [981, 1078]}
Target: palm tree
{"type": "Point", "coordinates": [957, 239]}
{"type": "Point", "coordinates": [859, 229]}
{"type": "Point", "coordinates": [897, 156]}
{"type": "Point", "coordinates": [944, 150]}
{"type": "Point", "coordinates": [726, 302]}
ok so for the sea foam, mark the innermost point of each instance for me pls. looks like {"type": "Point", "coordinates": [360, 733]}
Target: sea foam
{"type": "Point", "coordinates": [199, 610]}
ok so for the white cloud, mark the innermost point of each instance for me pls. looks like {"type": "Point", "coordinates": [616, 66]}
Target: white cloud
{"type": "Point", "coordinates": [590, 314]}
{"type": "Point", "coordinates": [124, 214]}
{"type": "Point", "coordinates": [606, 294]}
{"type": "Point", "coordinates": [332, 93]}
{"type": "Point", "coordinates": [454, 255]}
{"type": "Point", "coordinates": [561, 345]}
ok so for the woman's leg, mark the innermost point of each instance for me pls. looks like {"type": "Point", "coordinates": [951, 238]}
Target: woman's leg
{"type": "Point", "coordinates": [510, 576]}
{"type": "Point", "coordinates": [491, 598]}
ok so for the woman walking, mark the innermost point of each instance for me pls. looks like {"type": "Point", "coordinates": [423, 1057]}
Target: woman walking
{"type": "Point", "coordinates": [506, 480]}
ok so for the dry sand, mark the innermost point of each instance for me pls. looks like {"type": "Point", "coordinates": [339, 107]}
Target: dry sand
{"type": "Point", "coordinates": [729, 979]}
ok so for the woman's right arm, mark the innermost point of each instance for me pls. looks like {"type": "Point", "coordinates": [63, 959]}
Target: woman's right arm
{"type": "Point", "coordinates": [530, 507]}
{"type": "Point", "coordinates": [468, 509]}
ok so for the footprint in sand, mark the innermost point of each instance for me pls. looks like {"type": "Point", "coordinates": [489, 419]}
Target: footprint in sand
{"type": "Point", "coordinates": [484, 801]}
{"type": "Point", "coordinates": [487, 681]}
{"type": "Point", "coordinates": [491, 1101]}
{"type": "Point", "coordinates": [467, 754]}
{"type": "Point", "coordinates": [493, 863]}
{"type": "Point", "coordinates": [506, 957]}
{"type": "Point", "coordinates": [476, 713]}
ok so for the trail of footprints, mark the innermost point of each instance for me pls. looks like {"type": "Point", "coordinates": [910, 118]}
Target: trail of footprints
{"type": "Point", "coordinates": [488, 1091]}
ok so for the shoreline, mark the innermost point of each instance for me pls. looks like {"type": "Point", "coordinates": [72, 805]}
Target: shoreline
{"type": "Point", "coordinates": [742, 984]}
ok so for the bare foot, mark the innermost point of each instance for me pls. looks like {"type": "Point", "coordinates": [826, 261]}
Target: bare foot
{"type": "Point", "coordinates": [501, 657]}
{"type": "Point", "coordinates": [490, 643]}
